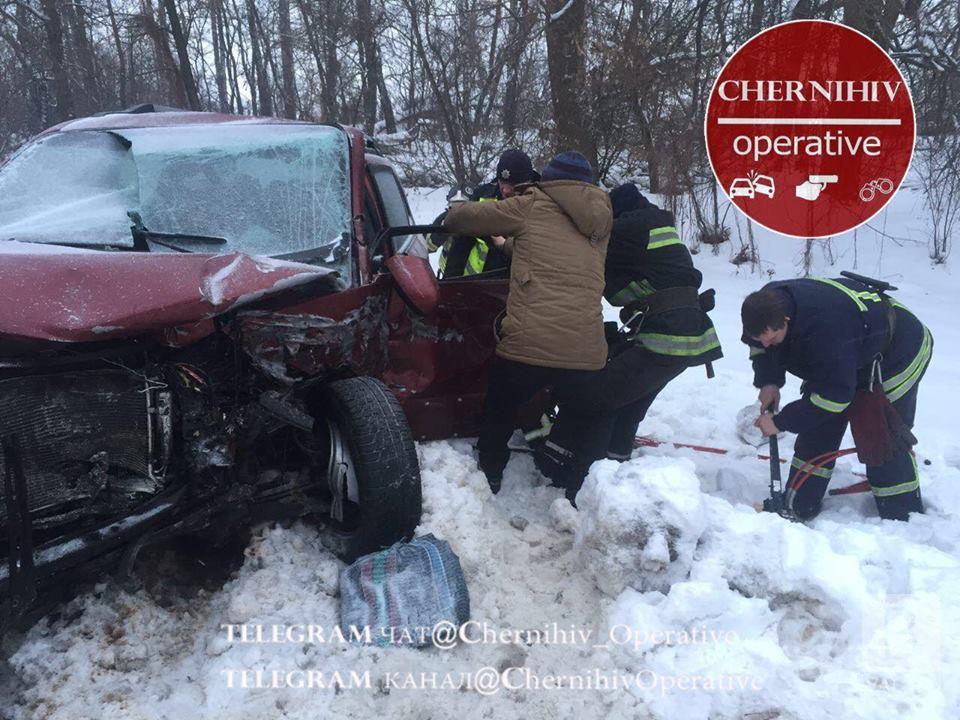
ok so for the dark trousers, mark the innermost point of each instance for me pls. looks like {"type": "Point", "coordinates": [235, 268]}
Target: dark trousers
{"type": "Point", "coordinates": [608, 424]}
{"type": "Point", "coordinates": [895, 484]}
{"type": "Point", "coordinates": [509, 386]}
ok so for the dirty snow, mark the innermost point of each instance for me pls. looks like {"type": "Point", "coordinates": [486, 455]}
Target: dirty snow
{"type": "Point", "coordinates": [641, 522]}
{"type": "Point", "coordinates": [665, 589]}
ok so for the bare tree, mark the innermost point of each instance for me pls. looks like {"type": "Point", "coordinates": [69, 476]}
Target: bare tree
{"type": "Point", "coordinates": [566, 57]}
{"type": "Point", "coordinates": [286, 59]}
{"type": "Point", "coordinates": [53, 26]}
{"type": "Point", "coordinates": [264, 102]}
{"type": "Point", "coordinates": [184, 70]}
{"type": "Point", "coordinates": [454, 82]}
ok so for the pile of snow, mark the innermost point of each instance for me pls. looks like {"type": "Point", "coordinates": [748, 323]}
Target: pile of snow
{"type": "Point", "coordinates": [640, 523]}
{"type": "Point", "coordinates": [761, 618]}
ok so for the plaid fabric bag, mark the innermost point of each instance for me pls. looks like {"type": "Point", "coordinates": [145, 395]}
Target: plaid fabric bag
{"type": "Point", "coordinates": [397, 596]}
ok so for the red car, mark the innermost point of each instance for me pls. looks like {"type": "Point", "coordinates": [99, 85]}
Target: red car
{"type": "Point", "coordinates": [209, 321]}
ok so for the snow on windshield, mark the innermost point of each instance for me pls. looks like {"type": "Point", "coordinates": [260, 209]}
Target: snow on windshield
{"type": "Point", "coordinates": [267, 189]}
{"type": "Point", "coordinates": [74, 188]}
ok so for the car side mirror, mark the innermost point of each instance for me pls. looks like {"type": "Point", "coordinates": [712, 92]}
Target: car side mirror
{"type": "Point", "coordinates": [409, 231]}
{"type": "Point", "coordinates": [416, 282]}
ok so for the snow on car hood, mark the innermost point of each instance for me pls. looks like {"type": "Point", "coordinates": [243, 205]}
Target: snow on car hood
{"type": "Point", "coordinates": [84, 296]}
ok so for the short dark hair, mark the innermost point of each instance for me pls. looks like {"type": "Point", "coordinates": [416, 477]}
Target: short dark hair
{"type": "Point", "coordinates": [761, 310]}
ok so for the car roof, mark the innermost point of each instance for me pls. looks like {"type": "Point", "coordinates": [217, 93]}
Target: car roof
{"type": "Point", "coordinates": [125, 120]}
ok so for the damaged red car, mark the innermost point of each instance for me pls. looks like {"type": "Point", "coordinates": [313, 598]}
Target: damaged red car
{"type": "Point", "coordinates": [210, 321]}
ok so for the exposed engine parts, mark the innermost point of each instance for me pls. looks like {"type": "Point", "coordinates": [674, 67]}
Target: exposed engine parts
{"type": "Point", "coordinates": [91, 441]}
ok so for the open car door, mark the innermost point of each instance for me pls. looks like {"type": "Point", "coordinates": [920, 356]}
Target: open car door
{"type": "Point", "coordinates": [437, 362]}
{"type": "Point", "coordinates": [438, 365]}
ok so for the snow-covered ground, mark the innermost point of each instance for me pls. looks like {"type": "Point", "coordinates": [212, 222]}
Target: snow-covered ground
{"type": "Point", "coordinates": [675, 597]}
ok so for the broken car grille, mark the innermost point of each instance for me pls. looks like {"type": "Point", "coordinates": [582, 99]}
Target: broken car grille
{"type": "Point", "coordinates": [83, 435]}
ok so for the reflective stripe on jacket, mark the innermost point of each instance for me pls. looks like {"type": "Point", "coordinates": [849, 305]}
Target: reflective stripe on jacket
{"type": "Point", "coordinates": [646, 255]}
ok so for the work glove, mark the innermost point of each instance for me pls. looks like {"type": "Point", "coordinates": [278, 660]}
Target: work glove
{"type": "Point", "coordinates": [879, 432]}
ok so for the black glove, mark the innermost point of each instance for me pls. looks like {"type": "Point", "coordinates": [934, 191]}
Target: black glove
{"type": "Point", "coordinates": [628, 315]}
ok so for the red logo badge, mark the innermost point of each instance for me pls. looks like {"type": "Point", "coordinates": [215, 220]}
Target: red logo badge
{"type": "Point", "coordinates": [810, 128]}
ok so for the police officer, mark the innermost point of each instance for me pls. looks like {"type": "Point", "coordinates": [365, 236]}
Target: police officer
{"type": "Point", "coordinates": [837, 335]}
{"type": "Point", "coordinates": [467, 255]}
{"type": "Point", "coordinates": [650, 274]}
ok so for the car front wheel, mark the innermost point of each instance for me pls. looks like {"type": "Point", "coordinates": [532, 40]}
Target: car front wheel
{"type": "Point", "coordinates": [371, 470]}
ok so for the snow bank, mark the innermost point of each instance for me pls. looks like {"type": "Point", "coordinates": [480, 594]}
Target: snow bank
{"type": "Point", "coordinates": [640, 523]}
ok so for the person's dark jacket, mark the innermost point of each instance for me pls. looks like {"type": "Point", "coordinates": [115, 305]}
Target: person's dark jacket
{"type": "Point", "coordinates": [456, 248]}
{"type": "Point", "coordinates": [645, 256]}
{"type": "Point", "coordinates": [836, 329]}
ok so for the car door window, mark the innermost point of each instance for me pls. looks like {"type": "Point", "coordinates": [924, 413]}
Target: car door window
{"type": "Point", "coordinates": [397, 211]}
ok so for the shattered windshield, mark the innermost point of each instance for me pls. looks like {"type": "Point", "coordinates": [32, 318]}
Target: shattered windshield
{"type": "Point", "coordinates": [268, 189]}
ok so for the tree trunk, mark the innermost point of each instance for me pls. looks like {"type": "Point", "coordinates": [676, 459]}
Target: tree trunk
{"type": "Point", "coordinates": [511, 92]}
{"type": "Point", "coordinates": [286, 60]}
{"type": "Point", "coordinates": [756, 17]}
{"type": "Point", "coordinates": [236, 56]}
{"type": "Point", "coordinates": [259, 70]}
{"type": "Point", "coordinates": [269, 62]}
{"type": "Point", "coordinates": [164, 58]}
{"type": "Point", "coordinates": [30, 73]}
{"type": "Point", "coordinates": [121, 60]}
{"type": "Point", "coordinates": [389, 119]}
{"type": "Point", "coordinates": [874, 18]}
{"type": "Point", "coordinates": [650, 150]}
{"type": "Point", "coordinates": [368, 64]}
{"type": "Point", "coordinates": [55, 54]}
{"type": "Point", "coordinates": [567, 66]}
{"type": "Point", "coordinates": [219, 54]}
{"type": "Point", "coordinates": [322, 42]}
{"type": "Point", "coordinates": [314, 42]}
{"type": "Point", "coordinates": [76, 17]}
{"type": "Point", "coordinates": [332, 67]}
{"type": "Point", "coordinates": [183, 55]}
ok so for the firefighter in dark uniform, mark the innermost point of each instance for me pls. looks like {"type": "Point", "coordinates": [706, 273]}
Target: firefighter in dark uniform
{"type": "Point", "coordinates": [462, 255]}
{"type": "Point", "coordinates": [838, 336]}
{"type": "Point", "coordinates": [650, 274]}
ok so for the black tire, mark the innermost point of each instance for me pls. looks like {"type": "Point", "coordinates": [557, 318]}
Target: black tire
{"type": "Point", "coordinates": [384, 456]}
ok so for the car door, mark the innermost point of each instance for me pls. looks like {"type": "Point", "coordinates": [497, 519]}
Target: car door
{"type": "Point", "coordinates": [437, 366]}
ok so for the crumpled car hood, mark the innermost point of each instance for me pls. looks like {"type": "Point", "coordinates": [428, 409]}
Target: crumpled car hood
{"type": "Point", "coordinates": [89, 296]}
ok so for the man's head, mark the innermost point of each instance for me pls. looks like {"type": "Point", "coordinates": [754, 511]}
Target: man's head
{"type": "Point", "coordinates": [625, 198]}
{"type": "Point", "coordinates": [569, 165]}
{"type": "Point", "coordinates": [513, 168]}
{"type": "Point", "coordinates": [765, 319]}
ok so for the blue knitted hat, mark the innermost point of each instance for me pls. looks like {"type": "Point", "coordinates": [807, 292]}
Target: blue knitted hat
{"type": "Point", "coordinates": [569, 165]}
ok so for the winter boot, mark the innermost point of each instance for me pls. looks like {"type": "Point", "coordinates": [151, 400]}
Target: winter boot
{"type": "Point", "coordinates": [561, 467]}
{"type": "Point", "coordinates": [492, 465]}
{"type": "Point", "coordinates": [899, 507]}
{"type": "Point", "coordinates": [808, 501]}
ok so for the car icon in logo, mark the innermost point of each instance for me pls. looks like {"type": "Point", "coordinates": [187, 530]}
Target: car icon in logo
{"type": "Point", "coordinates": [763, 184]}
{"type": "Point", "coordinates": [742, 187]}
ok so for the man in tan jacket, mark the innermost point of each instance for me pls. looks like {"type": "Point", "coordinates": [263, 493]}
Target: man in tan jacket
{"type": "Point", "coordinates": [552, 335]}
